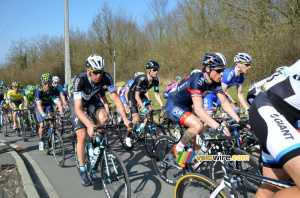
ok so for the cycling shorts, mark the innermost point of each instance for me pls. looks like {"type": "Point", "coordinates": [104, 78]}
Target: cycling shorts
{"type": "Point", "coordinates": [47, 109]}
{"type": "Point", "coordinates": [133, 106]}
{"type": "Point", "coordinates": [91, 111]}
{"type": "Point", "coordinates": [177, 112]}
{"type": "Point", "coordinates": [20, 106]}
{"type": "Point", "coordinates": [209, 100]}
{"type": "Point", "coordinates": [273, 123]}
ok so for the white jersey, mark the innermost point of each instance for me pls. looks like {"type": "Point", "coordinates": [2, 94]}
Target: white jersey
{"type": "Point", "coordinates": [286, 86]}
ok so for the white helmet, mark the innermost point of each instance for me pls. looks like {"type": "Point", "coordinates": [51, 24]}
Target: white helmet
{"type": "Point", "coordinates": [242, 57]}
{"type": "Point", "coordinates": [95, 62]}
{"type": "Point", "coordinates": [55, 79]}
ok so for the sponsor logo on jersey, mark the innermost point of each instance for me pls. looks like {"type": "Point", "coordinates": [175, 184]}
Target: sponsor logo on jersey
{"type": "Point", "coordinates": [286, 133]}
{"type": "Point", "coordinates": [177, 111]}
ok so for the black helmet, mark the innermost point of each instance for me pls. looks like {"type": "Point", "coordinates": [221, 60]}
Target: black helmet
{"type": "Point", "coordinates": [152, 65]}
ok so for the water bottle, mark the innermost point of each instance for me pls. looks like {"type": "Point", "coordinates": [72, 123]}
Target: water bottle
{"type": "Point", "coordinates": [91, 150]}
{"type": "Point", "coordinates": [137, 127]}
{"type": "Point", "coordinates": [297, 125]}
{"type": "Point", "coordinates": [177, 133]}
{"type": "Point", "coordinates": [95, 156]}
{"type": "Point", "coordinates": [48, 132]}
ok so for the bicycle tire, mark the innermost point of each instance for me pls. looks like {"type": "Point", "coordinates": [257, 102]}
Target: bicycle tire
{"type": "Point", "coordinates": [58, 148]}
{"type": "Point", "coordinates": [193, 184]}
{"type": "Point", "coordinates": [6, 123]}
{"type": "Point", "coordinates": [251, 166]}
{"type": "Point", "coordinates": [151, 135]}
{"type": "Point", "coordinates": [23, 128]}
{"type": "Point", "coordinates": [163, 160]}
{"type": "Point", "coordinates": [114, 175]}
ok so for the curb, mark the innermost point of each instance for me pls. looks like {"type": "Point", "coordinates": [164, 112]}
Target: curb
{"type": "Point", "coordinates": [28, 184]}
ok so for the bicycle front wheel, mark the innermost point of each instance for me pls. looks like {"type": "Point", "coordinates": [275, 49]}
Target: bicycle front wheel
{"type": "Point", "coordinates": [196, 186]}
{"type": "Point", "coordinates": [164, 162]}
{"type": "Point", "coordinates": [114, 175]}
{"type": "Point", "coordinates": [152, 132]}
{"type": "Point", "coordinates": [58, 148]}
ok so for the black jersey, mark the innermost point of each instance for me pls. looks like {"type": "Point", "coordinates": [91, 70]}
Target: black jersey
{"type": "Point", "coordinates": [141, 84]}
{"type": "Point", "coordinates": [85, 90]}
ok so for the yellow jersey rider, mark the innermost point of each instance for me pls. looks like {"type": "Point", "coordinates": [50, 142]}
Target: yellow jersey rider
{"type": "Point", "coordinates": [15, 101]}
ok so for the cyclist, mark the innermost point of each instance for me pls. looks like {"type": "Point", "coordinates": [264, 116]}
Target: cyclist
{"type": "Point", "coordinates": [124, 93]}
{"type": "Point", "coordinates": [15, 101]}
{"type": "Point", "coordinates": [3, 91]}
{"type": "Point", "coordinates": [232, 77]}
{"type": "Point", "coordinates": [272, 117]}
{"type": "Point", "coordinates": [120, 88]}
{"type": "Point", "coordinates": [178, 79]}
{"type": "Point", "coordinates": [264, 84]}
{"type": "Point", "coordinates": [30, 95]}
{"type": "Point", "coordinates": [86, 87]}
{"type": "Point", "coordinates": [55, 83]}
{"type": "Point", "coordinates": [137, 91]}
{"type": "Point", "coordinates": [65, 91]}
{"type": "Point", "coordinates": [44, 104]}
{"type": "Point", "coordinates": [189, 93]}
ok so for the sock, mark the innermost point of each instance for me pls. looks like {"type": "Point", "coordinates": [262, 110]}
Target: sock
{"type": "Point", "coordinates": [82, 168]}
{"type": "Point", "coordinates": [180, 146]}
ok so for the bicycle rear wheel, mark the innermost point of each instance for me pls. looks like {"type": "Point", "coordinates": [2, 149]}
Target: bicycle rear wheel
{"type": "Point", "coordinates": [4, 126]}
{"type": "Point", "coordinates": [196, 186]}
{"type": "Point", "coordinates": [151, 133]}
{"type": "Point", "coordinates": [58, 148]}
{"type": "Point", "coordinates": [23, 129]}
{"type": "Point", "coordinates": [163, 160]}
{"type": "Point", "coordinates": [114, 175]}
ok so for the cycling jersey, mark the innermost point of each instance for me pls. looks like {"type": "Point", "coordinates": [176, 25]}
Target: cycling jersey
{"type": "Point", "coordinates": [263, 85]}
{"type": "Point", "coordinates": [2, 93]}
{"type": "Point", "coordinates": [140, 84]}
{"type": "Point", "coordinates": [127, 86]}
{"type": "Point", "coordinates": [273, 115]}
{"type": "Point", "coordinates": [86, 91]}
{"type": "Point", "coordinates": [30, 98]}
{"type": "Point", "coordinates": [229, 79]}
{"type": "Point", "coordinates": [16, 98]}
{"type": "Point", "coordinates": [46, 97]}
{"type": "Point", "coordinates": [179, 103]}
{"type": "Point", "coordinates": [168, 89]}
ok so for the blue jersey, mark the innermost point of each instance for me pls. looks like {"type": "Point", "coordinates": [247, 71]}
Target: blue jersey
{"type": "Point", "coordinates": [230, 78]}
{"type": "Point", "coordinates": [128, 84]}
{"type": "Point", "coordinates": [195, 85]}
{"type": "Point", "coordinates": [46, 97]}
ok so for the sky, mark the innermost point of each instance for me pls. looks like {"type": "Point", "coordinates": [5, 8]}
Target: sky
{"type": "Point", "coordinates": [26, 19]}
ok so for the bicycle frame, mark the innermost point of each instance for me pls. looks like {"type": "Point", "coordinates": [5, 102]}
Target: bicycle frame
{"type": "Point", "coordinates": [229, 172]}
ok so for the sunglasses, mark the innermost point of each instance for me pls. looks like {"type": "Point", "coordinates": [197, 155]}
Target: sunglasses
{"type": "Point", "coordinates": [155, 70]}
{"type": "Point", "coordinates": [46, 83]}
{"type": "Point", "coordinates": [218, 70]}
{"type": "Point", "coordinates": [246, 64]}
{"type": "Point", "coordinates": [96, 72]}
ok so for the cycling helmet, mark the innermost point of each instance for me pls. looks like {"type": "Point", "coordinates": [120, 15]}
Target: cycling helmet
{"type": "Point", "coordinates": [152, 65]}
{"type": "Point", "coordinates": [9, 86]}
{"type": "Point", "coordinates": [55, 79]}
{"type": "Point", "coordinates": [46, 77]}
{"type": "Point", "coordinates": [95, 62]}
{"type": "Point", "coordinates": [138, 73]}
{"type": "Point", "coordinates": [122, 84]}
{"type": "Point", "coordinates": [242, 57]}
{"type": "Point", "coordinates": [214, 59]}
{"type": "Point", "coordinates": [195, 71]}
{"type": "Point", "coordinates": [31, 88]}
{"type": "Point", "coordinates": [1, 83]}
{"type": "Point", "coordinates": [15, 84]}
{"type": "Point", "coordinates": [179, 78]}
{"type": "Point", "coordinates": [66, 85]}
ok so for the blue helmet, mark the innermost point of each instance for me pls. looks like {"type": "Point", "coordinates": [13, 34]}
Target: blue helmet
{"type": "Point", "coordinates": [214, 59]}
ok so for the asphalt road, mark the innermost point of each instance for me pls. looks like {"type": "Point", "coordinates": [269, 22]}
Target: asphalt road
{"type": "Point", "coordinates": [66, 180]}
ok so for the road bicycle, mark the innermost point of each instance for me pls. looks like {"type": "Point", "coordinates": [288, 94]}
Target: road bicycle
{"type": "Point", "coordinates": [148, 133]}
{"type": "Point", "coordinates": [98, 156]}
{"type": "Point", "coordinates": [202, 186]}
{"type": "Point", "coordinates": [53, 141]}
{"type": "Point", "coordinates": [31, 122]}
{"type": "Point", "coordinates": [166, 167]}
{"type": "Point", "coordinates": [21, 124]}
{"type": "Point", "coordinates": [4, 122]}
